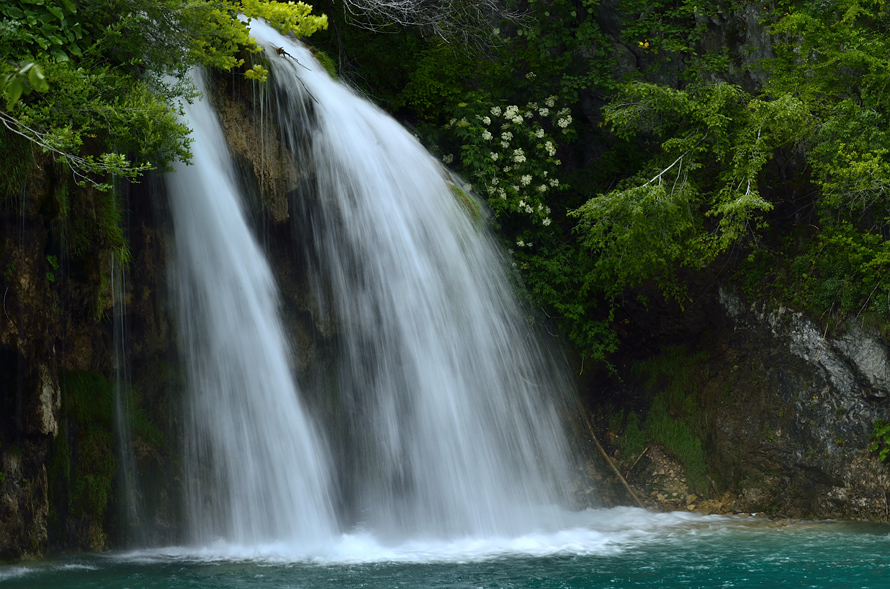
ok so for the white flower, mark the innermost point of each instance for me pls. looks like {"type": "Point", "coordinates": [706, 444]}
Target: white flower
{"type": "Point", "coordinates": [520, 243]}
{"type": "Point", "coordinates": [563, 123]}
{"type": "Point", "coordinates": [518, 156]}
{"type": "Point", "coordinates": [542, 188]}
{"type": "Point", "coordinates": [507, 169]}
{"type": "Point", "coordinates": [546, 222]}
{"type": "Point", "coordinates": [502, 193]}
{"type": "Point", "coordinates": [494, 156]}
{"type": "Point", "coordinates": [486, 135]}
{"type": "Point", "coordinates": [525, 180]}
{"type": "Point", "coordinates": [451, 122]}
{"type": "Point", "coordinates": [448, 158]}
{"type": "Point", "coordinates": [540, 207]}
{"type": "Point", "coordinates": [564, 111]}
{"type": "Point", "coordinates": [547, 210]}
{"type": "Point", "coordinates": [554, 182]}
{"type": "Point", "coordinates": [511, 111]}
{"type": "Point", "coordinates": [551, 150]}
{"type": "Point", "coordinates": [496, 111]}
{"type": "Point", "coordinates": [529, 210]}
{"type": "Point", "coordinates": [506, 135]}
{"type": "Point", "coordinates": [521, 204]}
{"type": "Point", "coordinates": [544, 112]}
{"type": "Point", "coordinates": [517, 120]}
{"type": "Point", "coordinates": [505, 144]}
{"type": "Point", "coordinates": [539, 133]}
{"type": "Point", "coordinates": [557, 162]}
{"type": "Point", "coordinates": [532, 105]}
{"type": "Point", "coordinates": [486, 121]}
{"type": "Point", "coordinates": [530, 76]}
{"type": "Point", "coordinates": [551, 101]}
{"type": "Point", "coordinates": [494, 181]}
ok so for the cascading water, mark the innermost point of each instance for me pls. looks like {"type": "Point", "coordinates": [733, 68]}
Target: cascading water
{"type": "Point", "coordinates": [445, 417]}
{"type": "Point", "coordinates": [256, 470]}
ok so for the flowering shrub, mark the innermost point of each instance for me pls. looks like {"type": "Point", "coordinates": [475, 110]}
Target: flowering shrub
{"type": "Point", "coordinates": [509, 154]}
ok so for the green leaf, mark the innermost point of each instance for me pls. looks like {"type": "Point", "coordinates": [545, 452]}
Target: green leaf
{"type": "Point", "coordinates": [14, 91]}
{"type": "Point", "coordinates": [37, 79]}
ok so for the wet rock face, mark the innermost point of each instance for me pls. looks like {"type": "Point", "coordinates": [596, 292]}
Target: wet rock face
{"type": "Point", "coordinates": [784, 410]}
{"type": "Point", "coordinates": [790, 412]}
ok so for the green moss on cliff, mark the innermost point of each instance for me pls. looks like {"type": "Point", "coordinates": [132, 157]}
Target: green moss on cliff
{"type": "Point", "coordinates": [674, 419]}
{"type": "Point", "coordinates": [82, 465]}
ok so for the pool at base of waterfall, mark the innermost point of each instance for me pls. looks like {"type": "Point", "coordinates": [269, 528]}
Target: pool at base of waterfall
{"type": "Point", "coordinates": [612, 548]}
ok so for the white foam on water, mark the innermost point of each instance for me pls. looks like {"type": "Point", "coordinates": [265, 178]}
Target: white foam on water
{"type": "Point", "coordinates": [590, 532]}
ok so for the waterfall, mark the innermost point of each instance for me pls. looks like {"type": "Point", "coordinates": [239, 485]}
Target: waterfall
{"type": "Point", "coordinates": [440, 417]}
{"type": "Point", "coordinates": [445, 418]}
{"type": "Point", "coordinates": [256, 469]}
{"type": "Point", "coordinates": [128, 477]}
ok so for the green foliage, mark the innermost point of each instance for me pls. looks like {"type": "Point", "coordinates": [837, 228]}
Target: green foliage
{"type": "Point", "coordinates": [22, 80]}
{"type": "Point", "coordinates": [509, 155]}
{"type": "Point", "coordinates": [106, 84]}
{"type": "Point", "coordinates": [699, 193]}
{"type": "Point", "coordinates": [436, 82]}
{"type": "Point", "coordinates": [561, 47]}
{"type": "Point", "coordinates": [53, 263]}
{"type": "Point", "coordinates": [837, 273]}
{"type": "Point", "coordinates": [881, 435]}
{"type": "Point", "coordinates": [48, 26]}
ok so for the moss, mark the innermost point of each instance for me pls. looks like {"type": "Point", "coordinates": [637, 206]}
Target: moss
{"type": "Point", "coordinates": [467, 202]}
{"type": "Point", "coordinates": [16, 161]}
{"type": "Point", "coordinates": [675, 419]}
{"type": "Point", "coordinates": [82, 465]}
{"type": "Point", "coordinates": [325, 60]}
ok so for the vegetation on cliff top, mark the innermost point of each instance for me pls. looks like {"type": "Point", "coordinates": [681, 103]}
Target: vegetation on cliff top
{"type": "Point", "coordinates": [654, 143]}
{"type": "Point", "coordinates": [620, 144]}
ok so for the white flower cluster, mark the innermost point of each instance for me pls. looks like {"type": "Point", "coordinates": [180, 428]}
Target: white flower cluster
{"type": "Point", "coordinates": [507, 136]}
{"type": "Point", "coordinates": [551, 149]}
{"type": "Point", "coordinates": [518, 156]}
{"type": "Point", "coordinates": [486, 135]}
{"type": "Point", "coordinates": [449, 158]}
{"type": "Point", "coordinates": [564, 122]}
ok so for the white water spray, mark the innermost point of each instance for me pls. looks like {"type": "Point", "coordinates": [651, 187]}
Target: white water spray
{"type": "Point", "coordinates": [256, 470]}
{"type": "Point", "coordinates": [445, 416]}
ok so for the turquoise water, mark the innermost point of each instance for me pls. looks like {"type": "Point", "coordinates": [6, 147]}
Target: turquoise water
{"type": "Point", "coordinates": [614, 548]}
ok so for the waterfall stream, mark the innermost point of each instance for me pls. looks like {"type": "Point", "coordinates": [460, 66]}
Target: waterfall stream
{"type": "Point", "coordinates": [444, 421]}
{"type": "Point", "coordinates": [256, 469]}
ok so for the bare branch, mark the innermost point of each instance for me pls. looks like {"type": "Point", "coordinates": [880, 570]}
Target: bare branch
{"type": "Point", "coordinates": [468, 22]}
